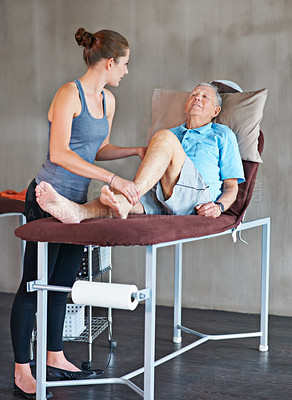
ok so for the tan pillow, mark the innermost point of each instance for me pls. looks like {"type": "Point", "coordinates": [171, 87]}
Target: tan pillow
{"type": "Point", "coordinates": [168, 110]}
{"type": "Point", "coordinates": [241, 112]}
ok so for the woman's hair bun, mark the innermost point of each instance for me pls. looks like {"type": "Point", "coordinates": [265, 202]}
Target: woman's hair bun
{"type": "Point", "coordinates": [84, 38]}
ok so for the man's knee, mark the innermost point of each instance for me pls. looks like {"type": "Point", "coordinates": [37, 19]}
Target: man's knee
{"type": "Point", "coordinates": [165, 136]}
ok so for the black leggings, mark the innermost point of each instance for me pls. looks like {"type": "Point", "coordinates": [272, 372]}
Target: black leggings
{"type": "Point", "coordinates": [64, 261]}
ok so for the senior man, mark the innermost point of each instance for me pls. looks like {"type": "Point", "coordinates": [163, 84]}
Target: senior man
{"type": "Point", "coordinates": [194, 168]}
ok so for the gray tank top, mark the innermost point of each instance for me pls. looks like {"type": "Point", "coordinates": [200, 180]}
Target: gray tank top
{"type": "Point", "coordinates": [87, 135]}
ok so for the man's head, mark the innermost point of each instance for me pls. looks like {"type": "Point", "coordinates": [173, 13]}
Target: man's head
{"type": "Point", "coordinates": [203, 104]}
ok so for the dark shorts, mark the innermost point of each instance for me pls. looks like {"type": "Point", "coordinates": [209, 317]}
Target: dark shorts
{"type": "Point", "coordinates": [189, 191]}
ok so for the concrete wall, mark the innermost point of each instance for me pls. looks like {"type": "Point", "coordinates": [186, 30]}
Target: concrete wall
{"type": "Point", "coordinates": [174, 44]}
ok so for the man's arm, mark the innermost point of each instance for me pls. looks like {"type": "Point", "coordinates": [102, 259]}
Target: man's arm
{"type": "Point", "coordinates": [227, 198]}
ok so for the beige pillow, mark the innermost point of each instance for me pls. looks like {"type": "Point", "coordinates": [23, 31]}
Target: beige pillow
{"type": "Point", "coordinates": [168, 110]}
{"type": "Point", "coordinates": [241, 112]}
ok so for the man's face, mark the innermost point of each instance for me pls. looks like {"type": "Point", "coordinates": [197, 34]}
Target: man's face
{"type": "Point", "coordinates": [202, 104]}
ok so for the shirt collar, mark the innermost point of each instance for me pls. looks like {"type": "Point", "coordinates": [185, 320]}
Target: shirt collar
{"type": "Point", "coordinates": [201, 129]}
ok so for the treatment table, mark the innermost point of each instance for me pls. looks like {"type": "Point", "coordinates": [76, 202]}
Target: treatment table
{"type": "Point", "coordinates": [153, 232]}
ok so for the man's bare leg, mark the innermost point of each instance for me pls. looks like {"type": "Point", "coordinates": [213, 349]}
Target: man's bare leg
{"type": "Point", "coordinates": [66, 210]}
{"type": "Point", "coordinates": [69, 212]}
{"type": "Point", "coordinates": [163, 161]}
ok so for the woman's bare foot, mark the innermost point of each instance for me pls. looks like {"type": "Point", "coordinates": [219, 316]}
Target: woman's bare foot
{"type": "Point", "coordinates": [118, 203]}
{"type": "Point", "coordinates": [57, 359]}
{"type": "Point", "coordinates": [24, 379]}
{"type": "Point", "coordinates": [58, 206]}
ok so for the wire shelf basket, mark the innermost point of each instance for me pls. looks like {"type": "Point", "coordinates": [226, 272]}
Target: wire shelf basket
{"type": "Point", "coordinates": [99, 324]}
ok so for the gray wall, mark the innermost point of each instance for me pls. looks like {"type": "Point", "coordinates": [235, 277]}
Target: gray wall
{"type": "Point", "coordinates": [174, 44]}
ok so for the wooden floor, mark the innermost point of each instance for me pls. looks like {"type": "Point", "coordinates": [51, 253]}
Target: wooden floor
{"type": "Point", "coordinates": [213, 371]}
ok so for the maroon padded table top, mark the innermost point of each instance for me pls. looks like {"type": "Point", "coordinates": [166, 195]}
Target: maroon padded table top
{"type": "Point", "coordinates": [139, 230]}
{"type": "Point", "coordinates": [11, 206]}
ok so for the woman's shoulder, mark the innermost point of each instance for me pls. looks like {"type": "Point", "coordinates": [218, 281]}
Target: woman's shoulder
{"type": "Point", "coordinates": [66, 95]}
{"type": "Point", "coordinates": [69, 88]}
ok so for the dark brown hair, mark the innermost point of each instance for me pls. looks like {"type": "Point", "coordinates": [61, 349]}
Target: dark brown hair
{"type": "Point", "coordinates": [102, 44]}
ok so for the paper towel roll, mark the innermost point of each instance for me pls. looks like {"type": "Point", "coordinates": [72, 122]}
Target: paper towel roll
{"type": "Point", "coordinates": [102, 294]}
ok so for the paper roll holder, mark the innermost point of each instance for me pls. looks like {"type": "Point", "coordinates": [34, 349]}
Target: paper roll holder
{"type": "Point", "coordinates": [38, 284]}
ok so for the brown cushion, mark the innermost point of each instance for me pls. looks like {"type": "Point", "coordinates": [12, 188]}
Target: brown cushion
{"type": "Point", "coordinates": [11, 206]}
{"type": "Point", "coordinates": [136, 230]}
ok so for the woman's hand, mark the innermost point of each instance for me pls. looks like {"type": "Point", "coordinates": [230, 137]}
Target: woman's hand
{"type": "Point", "coordinates": [127, 188]}
{"type": "Point", "coordinates": [141, 151]}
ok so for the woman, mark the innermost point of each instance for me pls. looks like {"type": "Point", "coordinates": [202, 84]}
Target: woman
{"type": "Point", "coordinates": [80, 120]}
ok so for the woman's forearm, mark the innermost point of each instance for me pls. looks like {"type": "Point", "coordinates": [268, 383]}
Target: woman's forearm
{"type": "Point", "coordinates": [112, 152]}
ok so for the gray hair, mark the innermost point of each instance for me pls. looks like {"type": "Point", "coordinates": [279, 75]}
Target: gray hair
{"type": "Point", "coordinates": [215, 88]}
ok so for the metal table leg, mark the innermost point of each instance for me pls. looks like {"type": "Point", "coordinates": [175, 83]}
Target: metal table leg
{"type": "Point", "coordinates": [177, 338]}
{"type": "Point", "coordinates": [265, 285]}
{"type": "Point", "coordinates": [42, 302]}
{"type": "Point", "coordinates": [149, 338]}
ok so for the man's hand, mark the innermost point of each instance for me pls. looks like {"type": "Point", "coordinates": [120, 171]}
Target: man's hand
{"type": "Point", "coordinates": [211, 210]}
{"type": "Point", "coordinates": [227, 198]}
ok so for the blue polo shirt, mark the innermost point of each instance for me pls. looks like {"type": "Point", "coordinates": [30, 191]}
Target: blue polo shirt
{"type": "Point", "coordinates": [214, 151]}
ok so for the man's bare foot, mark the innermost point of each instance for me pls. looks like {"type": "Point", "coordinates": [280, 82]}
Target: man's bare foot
{"type": "Point", "coordinates": [58, 206]}
{"type": "Point", "coordinates": [118, 203]}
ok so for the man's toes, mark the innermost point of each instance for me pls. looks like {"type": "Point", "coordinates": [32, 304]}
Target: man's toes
{"type": "Point", "coordinates": [111, 195]}
{"type": "Point", "coordinates": [45, 186]}
{"type": "Point", "coordinates": [42, 185]}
